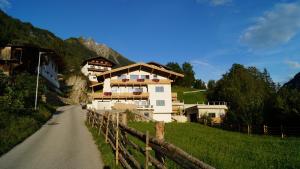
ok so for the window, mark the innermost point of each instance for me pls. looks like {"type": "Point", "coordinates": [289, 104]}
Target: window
{"type": "Point", "coordinates": [114, 89]}
{"type": "Point", "coordinates": [212, 115]}
{"type": "Point", "coordinates": [122, 77]}
{"type": "Point", "coordinates": [130, 89]}
{"type": "Point", "coordinates": [154, 76]}
{"type": "Point", "coordinates": [159, 89]}
{"type": "Point", "coordinates": [160, 103]}
{"type": "Point", "coordinates": [145, 77]}
{"type": "Point", "coordinates": [137, 89]}
{"type": "Point", "coordinates": [134, 77]}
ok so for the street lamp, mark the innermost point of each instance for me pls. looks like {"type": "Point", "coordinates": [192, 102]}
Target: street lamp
{"type": "Point", "coordinates": [37, 80]}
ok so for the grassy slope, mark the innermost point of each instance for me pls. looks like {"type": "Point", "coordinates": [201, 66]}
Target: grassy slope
{"type": "Point", "coordinates": [189, 98]}
{"type": "Point", "coordinates": [18, 128]}
{"type": "Point", "coordinates": [224, 149]}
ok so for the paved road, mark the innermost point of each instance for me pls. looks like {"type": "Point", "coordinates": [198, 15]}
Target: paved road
{"type": "Point", "coordinates": [63, 143]}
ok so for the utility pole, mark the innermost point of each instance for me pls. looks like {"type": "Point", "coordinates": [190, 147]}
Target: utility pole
{"type": "Point", "coordinates": [37, 80]}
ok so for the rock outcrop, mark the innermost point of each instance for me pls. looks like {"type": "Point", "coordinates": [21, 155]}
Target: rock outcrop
{"type": "Point", "coordinates": [78, 92]}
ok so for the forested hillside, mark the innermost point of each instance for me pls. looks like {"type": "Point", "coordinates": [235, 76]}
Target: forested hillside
{"type": "Point", "coordinates": [73, 50]}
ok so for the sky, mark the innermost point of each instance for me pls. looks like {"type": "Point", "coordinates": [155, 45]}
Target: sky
{"type": "Point", "coordinates": [210, 34]}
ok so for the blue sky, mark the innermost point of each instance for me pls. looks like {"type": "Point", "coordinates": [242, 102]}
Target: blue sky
{"type": "Point", "coordinates": [210, 34]}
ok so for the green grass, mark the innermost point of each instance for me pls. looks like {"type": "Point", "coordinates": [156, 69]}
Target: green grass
{"type": "Point", "coordinates": [15, 127]}
{"type": "Point", "coordinates": [189, 98]}
{"type": "Point", "coordinates": [107, 154]}
{"type": "Point", "coordinates": [225, 149]}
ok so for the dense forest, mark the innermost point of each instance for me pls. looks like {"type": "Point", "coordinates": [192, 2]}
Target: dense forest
{"type": "Point", "coordinates": [72, 50]}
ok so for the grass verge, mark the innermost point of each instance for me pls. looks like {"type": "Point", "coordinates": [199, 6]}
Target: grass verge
{"type": "Point", "coordinates": [107, 154]}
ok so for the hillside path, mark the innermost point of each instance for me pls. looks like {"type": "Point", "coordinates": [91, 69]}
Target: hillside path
{"type": "Point", "coordinates": [64, 142]}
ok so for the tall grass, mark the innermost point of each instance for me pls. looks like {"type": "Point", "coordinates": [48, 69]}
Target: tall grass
{"type": "Point", "coordinates": [225, 149]}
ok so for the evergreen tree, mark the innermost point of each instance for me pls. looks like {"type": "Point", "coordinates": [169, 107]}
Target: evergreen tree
{"type": "Point", "coordinates": [189, 74]}
{"type": "Point", "coordinates": [199, 84]}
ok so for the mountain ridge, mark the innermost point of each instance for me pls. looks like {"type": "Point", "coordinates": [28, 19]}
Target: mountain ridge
{"type": "Point", "coordinates": [294, 83]}
{"type": "Point", "coordinates": [72, 50]}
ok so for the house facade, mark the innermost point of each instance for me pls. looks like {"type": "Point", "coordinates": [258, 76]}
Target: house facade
{"type": "Point", "coordinates": [215, 110]}
{"type": "Point", "coordinates": [95, 66]}
{"type": "Point", "coordinates": [14, 59]}
{"type": "Point", "coordinates": [143, 87]}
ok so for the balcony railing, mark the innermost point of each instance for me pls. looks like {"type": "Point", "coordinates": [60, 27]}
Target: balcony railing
{"type": "Point", "coordinates": [110, 95]}
{"type": "Point", "coordinates": [125, 82]}
{"type": "Point", "coordinates": [97, 69]}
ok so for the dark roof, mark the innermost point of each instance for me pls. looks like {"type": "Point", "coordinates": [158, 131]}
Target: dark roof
{"type": "Point", "coordinates": [98, 57]}
{"type": "Point", "coordinates": [159, 65]}
{"type": "Point", "coordinates": [50, 52]}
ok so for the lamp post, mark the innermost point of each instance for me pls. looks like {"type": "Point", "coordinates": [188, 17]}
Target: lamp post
{"type": "Point", "coordinates": [37, 80]}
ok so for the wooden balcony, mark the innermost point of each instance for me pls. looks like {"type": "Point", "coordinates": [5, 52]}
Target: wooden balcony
{"type": "Point", "coordinates": [138, 82]}
{"type": "Point", "coordinates": [108, 95]}
{"type": "Point", "coordinates": [97, 69]}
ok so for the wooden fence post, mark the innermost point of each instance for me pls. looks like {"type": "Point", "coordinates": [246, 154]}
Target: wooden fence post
{"type": "Point", "coordinates": [124, 119]}
{"type": "Point", "coordinates": [281, 129]}
{"type": "Point", "coordinates": [101, 123]}
{"type": "Point", "coordinates": [93, 123]}
{"type": "Point", "coordinates": [106, 132]}
{"type": "Point", "coordinates": [147, 148]}
{"type": "Point", "coordinates": [160, 134]}
{"type": "Point", "coordinates": [265, 129]}
{"type": "Point", "coordinates": [117, 139]}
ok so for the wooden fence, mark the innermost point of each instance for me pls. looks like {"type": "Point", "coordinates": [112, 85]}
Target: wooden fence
{"type": "Point", "coordinates": [113, 126]}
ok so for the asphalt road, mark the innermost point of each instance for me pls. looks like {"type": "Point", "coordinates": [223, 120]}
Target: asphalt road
{"type": "Point", "coordinates": [63, 143]}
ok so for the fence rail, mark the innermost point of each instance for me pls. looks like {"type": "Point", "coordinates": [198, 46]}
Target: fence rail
{"type": "Point", "coordinates": [113, 126]}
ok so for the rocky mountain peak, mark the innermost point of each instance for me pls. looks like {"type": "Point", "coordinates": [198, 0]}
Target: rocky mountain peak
{"type": "Point", "coordinates": [105, 51]}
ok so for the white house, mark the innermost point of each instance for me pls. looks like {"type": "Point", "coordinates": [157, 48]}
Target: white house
{"type": "Point", "coordinates": [140, 86]}
{"type": "Point", "coordinates": [95, 66]}
{"type": "Point", "coordinates": [215, 110]}
{"type": "Point", "coordinates": [49, 69]}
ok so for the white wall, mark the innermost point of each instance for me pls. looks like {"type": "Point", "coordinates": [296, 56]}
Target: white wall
{"type": "Point", "coordinates": [84, 70]}
{"type": "Point", "coordinates": [90, 74]}
{"type": "Point", "coordinates": [49, 72]}
{"type": "Point", "coordinates": [162, 117]}
{"type": "Point", "coordinates": [166, 96]}
{"type": "Point", "coordinates": [101, 105]}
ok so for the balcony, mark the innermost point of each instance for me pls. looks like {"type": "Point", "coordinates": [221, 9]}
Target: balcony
{"type": "Point", "coordinates": [110, 95]}
{"type": "Point", "coordinates": [97, 70]}
{"type": "Point", "coordinates": [138, 82]}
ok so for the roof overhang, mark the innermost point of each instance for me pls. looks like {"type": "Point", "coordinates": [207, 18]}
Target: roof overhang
{"type": "Point", "coordinates": [141, 66]}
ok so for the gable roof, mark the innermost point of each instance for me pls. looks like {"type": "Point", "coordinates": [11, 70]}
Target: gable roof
{"type": "Point", "coordinates": [98, 57]}
{"type": "Point", "coordinates": [141, 66]}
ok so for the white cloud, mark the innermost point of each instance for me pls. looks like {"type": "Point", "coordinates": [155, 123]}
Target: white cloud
{"type": "Point", "coordinates": [293, 64]}
{"type": "Point", "coordinates": [4, 4]}
{"type": "Point", "coordinates": [275, 27]}
{"type": "Point", "coordinates": [199, 62]}
{"type": "Point", "coordinates": [215, 2]}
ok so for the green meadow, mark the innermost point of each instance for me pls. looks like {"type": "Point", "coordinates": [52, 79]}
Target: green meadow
{"type": "Point", "coordinates": [228, 150]}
